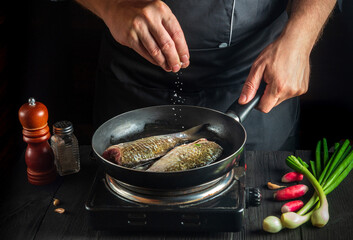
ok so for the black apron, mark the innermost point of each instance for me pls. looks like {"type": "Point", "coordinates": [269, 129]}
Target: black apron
{"type": "Point", "coordinates": [224, 39]}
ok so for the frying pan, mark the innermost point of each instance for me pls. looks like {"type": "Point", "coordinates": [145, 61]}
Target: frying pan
{"type": "Point", "coordinates": [224, 128]}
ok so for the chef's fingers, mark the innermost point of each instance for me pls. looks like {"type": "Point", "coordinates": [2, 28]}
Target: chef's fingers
{"type": "Point", "coordinates": [162, 36]}
{"type": "Point", "coordinates": [140, 49]}
{"type": "Point", "coordinates": [269, 99]}
{"type": "Point", "coordinates": [152, 48]}
{"type": "Point", "coordinates": [135, 43]}
{"type": "Point", "coordinates": [252, 82]}
{"type": "Point", "coordinates": [172, 26]}
{"type": "Point", "coordinates": [167, 40]}
{"type": "Point", "coordinates": [166, 45]}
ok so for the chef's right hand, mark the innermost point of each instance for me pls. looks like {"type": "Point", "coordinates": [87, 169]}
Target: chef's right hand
{"type": "Point", "coordinates": [151, 29]}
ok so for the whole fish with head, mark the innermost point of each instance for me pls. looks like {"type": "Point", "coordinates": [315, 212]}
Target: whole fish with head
{"type": "Point", "coordinates": [188, 156]}
{"type": "Point", "coordinates": [133, 153]}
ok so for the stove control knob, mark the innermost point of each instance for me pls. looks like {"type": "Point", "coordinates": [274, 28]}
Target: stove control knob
{"type": "Point", "coordinates": [253, 197]}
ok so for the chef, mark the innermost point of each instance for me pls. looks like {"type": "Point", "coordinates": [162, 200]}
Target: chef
{"type": "Point", "coordinates": [210, 53]}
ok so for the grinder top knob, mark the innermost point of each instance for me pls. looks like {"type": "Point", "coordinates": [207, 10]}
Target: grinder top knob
{"type": "Point", "coordinates": [33, 115]}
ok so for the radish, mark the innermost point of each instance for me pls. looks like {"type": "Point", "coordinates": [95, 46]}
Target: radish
{"type": "Point", "coordinates": [292, 177]}
{"type": "Point", "coordinates": [291, 192]}
{"type": "Point", "coordinates": [292, 206]}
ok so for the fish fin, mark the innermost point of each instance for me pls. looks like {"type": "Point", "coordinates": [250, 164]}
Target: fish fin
{"type": "Point", "coordinates": [145, 165]}
{"type": "Point", "coordinates": [193, 133]}
{"type": "Point", "coordinates": [200, 140]}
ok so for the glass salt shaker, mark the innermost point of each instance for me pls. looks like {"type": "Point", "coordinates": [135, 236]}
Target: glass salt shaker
{"type": "Point", "coordinates": [65, 146]}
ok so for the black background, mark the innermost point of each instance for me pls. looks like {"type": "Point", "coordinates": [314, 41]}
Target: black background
{"type": "Point", "coordinates": [52, 49]}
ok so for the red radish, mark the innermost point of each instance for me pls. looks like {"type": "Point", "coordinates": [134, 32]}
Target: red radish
{"type": "Point", "coordinates": [292, 177]}
{"type": "Point", "coordinates": [291, 192]}
{"type": "Point", "coordinates": [292, 206]}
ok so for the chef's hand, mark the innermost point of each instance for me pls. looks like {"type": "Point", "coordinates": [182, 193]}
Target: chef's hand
{"type": "Point", "coordinates": [151, 29]}
{"type": "Point", "coordinates": [284, 66]}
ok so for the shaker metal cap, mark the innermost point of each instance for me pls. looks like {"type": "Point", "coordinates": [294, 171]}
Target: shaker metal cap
{"type": "Point", "coordinates": [63, 127]}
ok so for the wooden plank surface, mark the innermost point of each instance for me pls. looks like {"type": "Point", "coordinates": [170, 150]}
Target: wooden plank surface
{"type": "Point", "coordinates": [26, 211]}
{"type": "Point", "coordinates": [265, 167]}
{"type": "Point", "coordinates": [22, 205]}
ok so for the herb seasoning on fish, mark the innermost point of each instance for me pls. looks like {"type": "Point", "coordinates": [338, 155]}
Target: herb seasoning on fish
{"type": "Point", "coordinates": [188, 156]}
{"type": "Point", "coordinates": [131, 154]}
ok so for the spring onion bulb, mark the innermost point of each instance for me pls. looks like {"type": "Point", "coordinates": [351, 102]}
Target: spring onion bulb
{"type": "Point", "coordinates": [272, 224]}
{"type": "Point", "coordinates": [293, 220]}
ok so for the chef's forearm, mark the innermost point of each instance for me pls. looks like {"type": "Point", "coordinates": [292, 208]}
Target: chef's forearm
{"type": "Point", "coordinates": [306, 20]}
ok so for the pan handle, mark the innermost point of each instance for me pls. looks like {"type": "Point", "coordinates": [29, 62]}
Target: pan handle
{"type": "Point", "coordinates": [240, 112]}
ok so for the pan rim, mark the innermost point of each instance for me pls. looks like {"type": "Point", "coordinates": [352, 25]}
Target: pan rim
{"type": "Point", "coordinates": [234, 154]}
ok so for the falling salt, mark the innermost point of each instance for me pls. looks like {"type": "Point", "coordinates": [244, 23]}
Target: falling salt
{"type": "Point", "coordinates": [177, 98]}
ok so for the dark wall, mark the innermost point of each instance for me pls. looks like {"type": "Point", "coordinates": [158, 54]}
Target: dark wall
{"type": "Point", "coordinates": [59, 61]}
{"type": "Point", "coordinates": [327, 108]}
{"type": "Point", "coordinates": [53, 49]}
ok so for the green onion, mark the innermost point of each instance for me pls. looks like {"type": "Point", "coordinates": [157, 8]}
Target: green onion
{"type": "Point", "coordinates": [345, 154]}
{"type": "Point", "coordinates": [333, 156]}
{"type": "Point", "coordinates": [332, 164]}
{"type": "Point", "coordinates": [318, 158]}
{"type": "Point", "coordinates": [272, 224]}
{"type": "Point", "coordinates": [340, 169]}
{"type": "Point", "coordinates": [335, 170]}
{"type": "Point", "coordinates": [324, 143]}
{"type": "Point", "coordinates": [313, 170]}
{"type": "Point", "coordinates": [320, 216]}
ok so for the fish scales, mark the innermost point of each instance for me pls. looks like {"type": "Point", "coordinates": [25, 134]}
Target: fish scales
{"type": "Point", "coordinates": [131, 154]}
{"type": "Point", "coordinates": [188, 156]}
{"type": "Point", "coordinates": [146, 149]}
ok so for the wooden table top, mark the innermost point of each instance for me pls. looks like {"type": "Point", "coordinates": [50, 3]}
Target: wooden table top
{"type": "Point", "coordinates": [27, 212]}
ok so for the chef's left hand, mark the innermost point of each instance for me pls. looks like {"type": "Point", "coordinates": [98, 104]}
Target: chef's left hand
{"type": "Point", "coordinates": [284, 66]}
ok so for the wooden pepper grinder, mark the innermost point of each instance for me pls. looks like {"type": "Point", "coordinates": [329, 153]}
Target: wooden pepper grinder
{"type": "Point", "coordinates": [39, 155]}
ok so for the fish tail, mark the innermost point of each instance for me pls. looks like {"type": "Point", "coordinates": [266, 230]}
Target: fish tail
{"type": "Point", "coordinates": [193, 133]}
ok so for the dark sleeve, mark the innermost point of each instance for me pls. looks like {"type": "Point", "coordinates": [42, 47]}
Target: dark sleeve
{"type": "Point", "coordinates": [340, 4]}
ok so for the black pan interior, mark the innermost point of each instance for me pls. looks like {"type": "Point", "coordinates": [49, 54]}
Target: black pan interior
{"type": "Point", "coordinates": [170, 119]}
